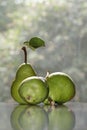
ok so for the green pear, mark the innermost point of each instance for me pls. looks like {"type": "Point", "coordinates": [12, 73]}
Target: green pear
{"type": "Point", "coordinates": [61, 88]}
{"type": "Point", "coordinates": [24, 70]}
{"type": "Point", "coordinates": [61, 118]}
{"type": "Point", "coordinates": [33, 90]}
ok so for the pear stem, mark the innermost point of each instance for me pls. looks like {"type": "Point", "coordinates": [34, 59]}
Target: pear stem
{"type": "Point", "coordinates": [47, 75]}
{"type": "Point", "coordinates": [25, 54]}
{"type": "Point", "coordinates": [52, 103]}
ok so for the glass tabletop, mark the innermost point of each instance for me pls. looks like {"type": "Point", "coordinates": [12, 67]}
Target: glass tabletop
{"type": "Point", "coordinates": [70, 116]}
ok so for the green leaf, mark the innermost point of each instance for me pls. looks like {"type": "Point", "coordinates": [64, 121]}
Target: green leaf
{"type": "Point", "coordinates": [35, 43]}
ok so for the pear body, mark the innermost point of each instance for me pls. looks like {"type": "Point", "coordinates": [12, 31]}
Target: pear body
{"type": "Point", "coordinates": [33, 90]}
{"type": "Point", "coordinates": [24, 71]}
{"type": "Point", "coordinates": [61, 87]}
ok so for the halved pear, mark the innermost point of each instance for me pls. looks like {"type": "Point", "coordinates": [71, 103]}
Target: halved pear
{"type": "Point", "coordinates": [61, 88]}
{"type": "Point", "coordinates": [33, 90]}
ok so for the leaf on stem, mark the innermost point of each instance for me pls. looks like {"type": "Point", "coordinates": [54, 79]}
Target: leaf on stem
{"type": "Point", "coordinates": [35, 43]}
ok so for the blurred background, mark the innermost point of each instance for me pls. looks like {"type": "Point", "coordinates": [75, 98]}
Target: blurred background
{"type": "Point", "coordinates": [62, 24]}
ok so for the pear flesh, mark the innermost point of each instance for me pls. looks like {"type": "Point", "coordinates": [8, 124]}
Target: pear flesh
{"type": "Point", "coordinates": [61, 88]}
{"type": "Point", "coordinates": [33, 90]}
{"type": "Point", "coordinates": [25, 70]}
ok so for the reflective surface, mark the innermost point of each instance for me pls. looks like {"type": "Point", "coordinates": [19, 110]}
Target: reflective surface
{"type": "Point", "coordinates": [71, 116]}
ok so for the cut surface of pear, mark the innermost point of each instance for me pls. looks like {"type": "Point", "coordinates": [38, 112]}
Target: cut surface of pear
{"type": "Point", "coordinates": [24, 71]}
{"type": "Point", "coordinates": [61, 87]}
{"type": "Point", "coordinates": [33, 90]}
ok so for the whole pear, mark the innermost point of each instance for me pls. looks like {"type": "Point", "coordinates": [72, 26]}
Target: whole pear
{"type": "Point", "coordinates": [24, 70]}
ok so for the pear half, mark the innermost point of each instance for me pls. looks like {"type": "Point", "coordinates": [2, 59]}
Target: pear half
{"type": "Point", "coordinates": [61, 88]}
{"type": "Point", "coordinates": [33, 90]}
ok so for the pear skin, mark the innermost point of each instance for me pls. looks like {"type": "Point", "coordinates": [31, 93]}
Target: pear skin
{"type": "Point", "coordinates": [24, 71]}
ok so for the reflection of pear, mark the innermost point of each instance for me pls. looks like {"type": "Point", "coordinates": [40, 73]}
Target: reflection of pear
{"type": "Point", "coordinates": [25, 70]}
{"type": "Point", "coordinates": [29, 118]}
{"type": "Point", "coordinates": [33, 89]}
{"type": "Point", "coordinates": [15, 116]}
{"type": "Point", "coordinates": [34, 118]}
{"type": "Point", "coordinates": [61, 118]}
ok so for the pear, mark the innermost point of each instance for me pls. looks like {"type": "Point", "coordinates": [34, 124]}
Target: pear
{"type": "Point", "coordinates": [33, 90]}
{"type": "Point", "coordinates": [24, 70]}
{"type": "Point", "coordinates": [61, 88]}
